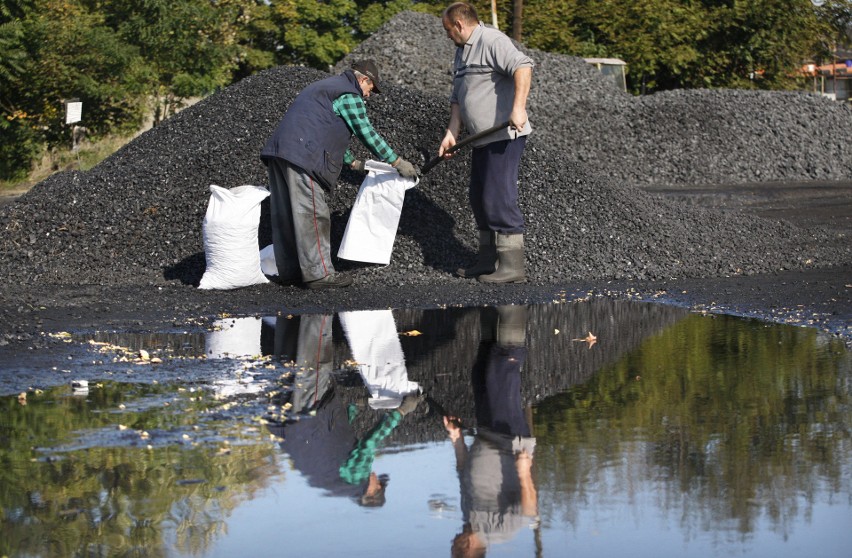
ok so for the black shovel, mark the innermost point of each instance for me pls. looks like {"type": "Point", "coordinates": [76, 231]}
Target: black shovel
{"type": "Point", "coordinates": [435, 160]}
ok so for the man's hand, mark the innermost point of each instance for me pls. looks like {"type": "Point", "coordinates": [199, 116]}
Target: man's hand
{"type": "Point", "coordinates": [453, 426]}
{"type": "Point", "coordinates": [518, 119]}
{"type": "Point", "coordinates": [404, 168]}
{"type": "Point", "coordinates": [448, 141]}
{"type": "Point", "coordinates": [357, 165]}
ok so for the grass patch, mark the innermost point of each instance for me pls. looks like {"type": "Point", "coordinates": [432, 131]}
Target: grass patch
{"type": "Point", "coordinates": [89, 155]}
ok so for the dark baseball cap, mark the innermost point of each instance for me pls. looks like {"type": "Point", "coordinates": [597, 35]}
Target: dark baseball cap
{"type": "Point", "coordinates": [369, 69]}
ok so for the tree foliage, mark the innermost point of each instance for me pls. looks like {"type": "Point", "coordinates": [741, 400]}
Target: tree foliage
{"type": "Point", "coordinates": [671, 44]}
{"type": "Point", "coordinates": [118, 55]}
{"type": "Point", "coordinates": [58, 51]}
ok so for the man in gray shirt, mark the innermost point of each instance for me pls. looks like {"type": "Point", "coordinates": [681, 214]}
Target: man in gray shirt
{"type": "Point", "coordinates": [491, 82]}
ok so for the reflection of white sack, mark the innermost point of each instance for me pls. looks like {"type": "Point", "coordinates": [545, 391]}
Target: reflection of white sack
{"type": "Point", "coordinates": [230, 238]}
{"type": "Point", "coordinates": [375, 346]}
{"type": "Point", "coordinates": [234, 338]}
{"type": "Point", "coordinates": [372, 225]}
{"type": "Point", "coordinates": [267, 261]}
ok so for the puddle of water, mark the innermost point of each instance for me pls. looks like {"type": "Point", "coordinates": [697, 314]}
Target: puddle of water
{"type": "Point", "coordinates": [587, 427]}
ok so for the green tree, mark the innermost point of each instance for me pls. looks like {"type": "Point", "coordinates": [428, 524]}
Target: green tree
{"type": "Point", "coordinates": [836, 18]}
{"type": "Point", "coordinates": [255, 33]}
{"type": "Point", "coordinates": [671, 44]}
{"type": "Point", "coordinates": [314, 33]}
{"type": "Point", "coordinates": [658, 38]}
{"type": "Point", "coordinates": [758, 43]}
{"type": "Point", "coordinates": [553, 26]}
{"type": "Point", "coordinates": [17, 143]}
{"type": "Point", "coordinates": [318, 33]}
{"type": "Point", "coordinates": [54, 51]}
{"type": "Point", "coordinates": [190, 45]}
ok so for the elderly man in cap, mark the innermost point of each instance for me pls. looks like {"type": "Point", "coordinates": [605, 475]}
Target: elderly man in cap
{"type": "Point", "coordinates": [304, 157]}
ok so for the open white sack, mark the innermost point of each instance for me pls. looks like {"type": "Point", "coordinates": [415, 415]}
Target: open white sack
{"type": "Point", "coordinates": [230, 238]}
{"type": "Point", "coordinates": [371, 229]}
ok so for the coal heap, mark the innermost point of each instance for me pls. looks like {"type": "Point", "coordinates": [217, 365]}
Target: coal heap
{"type": "Point", "coordinates": [674, 137]}
{"type": "Point", "coordinates": [136, 218]}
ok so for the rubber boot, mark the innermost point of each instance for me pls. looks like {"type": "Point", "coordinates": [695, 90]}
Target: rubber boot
{"type": "Point", "coordinates": [510, 260]}
{"type": "Point", "coordinates": [486, 260]}
{"type": "Point", "coordinates": [488, 318]}
{"type": "Point", "coordinates": [512, 325]}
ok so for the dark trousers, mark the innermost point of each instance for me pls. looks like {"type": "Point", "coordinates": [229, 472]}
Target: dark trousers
{"type": "Point", "coordinates": [494, 186]}
{"type": "Point", "coordinates": [497, 389]}
{"type": "Point", "coordinates": [301, 224]}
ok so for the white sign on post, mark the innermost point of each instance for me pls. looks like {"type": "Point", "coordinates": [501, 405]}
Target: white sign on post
{"type": "Point", "coordinates": [73, 111]}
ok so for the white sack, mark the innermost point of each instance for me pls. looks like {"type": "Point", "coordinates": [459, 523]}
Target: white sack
{"type": "Point", "coordinates": [376, 348]}
{"type": "Point", "coordinates": [230, 238]}
{"type": "Point", "coordinates": [267, 261]}
{"type": "Point", "coordinates": [372, 225]}
{"type": "Point", "coordinates": [234, 338]}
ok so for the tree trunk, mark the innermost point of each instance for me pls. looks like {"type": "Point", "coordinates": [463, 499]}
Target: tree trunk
{"type": "Point", "coordinates": [517, 19]}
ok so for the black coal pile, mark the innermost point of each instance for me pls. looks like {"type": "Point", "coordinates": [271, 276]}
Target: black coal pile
{"type": "Point", "coordinates": [676, 137]}
{"type": "Point", "coordinates": [136, 218]}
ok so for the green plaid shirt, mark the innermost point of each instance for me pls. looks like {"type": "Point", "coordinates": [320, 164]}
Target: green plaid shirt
{"type": "Point", "coordinates": [351, 108]}
{"type": "Point", "coordinates": [357, 468]}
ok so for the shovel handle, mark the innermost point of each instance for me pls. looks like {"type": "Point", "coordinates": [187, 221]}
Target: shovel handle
{"type": "Point", "coordinates": [437, 159]}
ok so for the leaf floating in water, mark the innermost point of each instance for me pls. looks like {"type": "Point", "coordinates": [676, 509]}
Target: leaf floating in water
{"type": "Point", "coordinates": [412, 333]}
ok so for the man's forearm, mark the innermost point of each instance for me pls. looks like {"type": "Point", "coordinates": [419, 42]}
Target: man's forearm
{"type": "Point", "coordinates": [454, 127]}
{"type": "Point", "coordinates": [523, 79]}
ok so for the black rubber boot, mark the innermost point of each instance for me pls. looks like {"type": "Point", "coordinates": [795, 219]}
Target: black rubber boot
{"type": "Point", "coordinates": [486, 261]}
{"type": "Point", "coordinates": [510, 260]}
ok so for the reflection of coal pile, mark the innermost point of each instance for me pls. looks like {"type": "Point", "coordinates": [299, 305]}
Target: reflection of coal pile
{"type": "Point", "coordinates": [442, 358]}
{"type": "Point", "coordinates": [136, 217]}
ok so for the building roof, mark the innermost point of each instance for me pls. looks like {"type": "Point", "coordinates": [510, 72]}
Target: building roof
{"type": "Point", "coordinates": [609, 61]}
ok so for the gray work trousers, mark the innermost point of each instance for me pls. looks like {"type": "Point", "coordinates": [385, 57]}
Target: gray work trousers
{"type": "Point", "coordinates": [301, 223]}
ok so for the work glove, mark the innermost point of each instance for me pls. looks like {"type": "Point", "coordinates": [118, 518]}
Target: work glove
{"type": "Point", "coordinates": [409, 403]}
{"type": "Point", "coordinates": [404, 168]}
{"type": "Point", "coordinates": [357, 165]}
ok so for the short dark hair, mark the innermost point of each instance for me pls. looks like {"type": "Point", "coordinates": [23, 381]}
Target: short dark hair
{"type": "Point", "coordinates": [461, 11]}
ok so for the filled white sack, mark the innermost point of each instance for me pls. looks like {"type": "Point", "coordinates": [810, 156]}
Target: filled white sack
{"type": "Point", "coordinates": [230, 238]}
{"type": "Point", "coordinates": [371, 229]}
{"type": "Point", "coordinates": [234, 338]}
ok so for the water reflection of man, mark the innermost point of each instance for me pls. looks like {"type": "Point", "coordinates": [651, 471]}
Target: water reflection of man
{"type": "Point", "coordinates": [498, 495]}
{"type": "Point", "coordinates": [320, 438]}
{"type": "Point", "coordinates": [306, 341]}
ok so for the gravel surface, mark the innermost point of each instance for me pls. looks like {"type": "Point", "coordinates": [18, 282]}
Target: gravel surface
{"type": "Point", "coordinates": [124, 239]}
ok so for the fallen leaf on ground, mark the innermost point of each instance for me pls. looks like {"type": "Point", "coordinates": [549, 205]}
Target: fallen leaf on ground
{"type": "Point", "coordinates": [590, 339]}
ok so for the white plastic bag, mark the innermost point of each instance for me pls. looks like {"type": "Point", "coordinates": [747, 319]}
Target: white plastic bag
{"type": "Point", "coordinates": [371, 229]}
{"type": "Point", "coordinates": [230, 238]}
